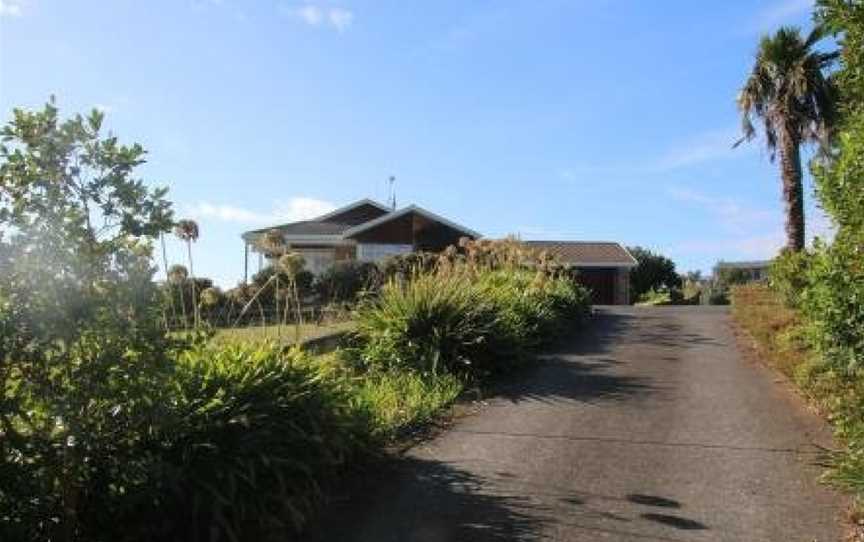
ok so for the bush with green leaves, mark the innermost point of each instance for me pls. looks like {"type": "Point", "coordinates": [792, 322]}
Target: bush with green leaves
{"type": "Point", "coordinates": [84, 358]}
{"type": "Point", "coordinates": [253, 437]}
{"type": "Point", "coordinates": [343, 282]}
{"type": "Point", "coordinates": [467, 317]}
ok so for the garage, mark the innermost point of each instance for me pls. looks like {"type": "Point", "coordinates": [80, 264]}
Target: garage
{"type": "Point", "coordinates": [603, 266]}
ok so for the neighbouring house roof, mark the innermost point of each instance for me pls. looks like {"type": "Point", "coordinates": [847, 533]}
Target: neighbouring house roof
{"type": "Point", "coordinates": [345, 222]}
{"type": "Point", "coordinates": [756, 264]}
{"type": "Point", "coordinates": [588, 253]}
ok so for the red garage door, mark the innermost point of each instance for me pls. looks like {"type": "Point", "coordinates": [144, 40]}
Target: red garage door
{"type": "Point", "coordinates": [601, 282]}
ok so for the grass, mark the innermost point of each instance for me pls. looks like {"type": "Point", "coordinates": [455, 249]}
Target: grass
{"type": "Point", "coordinates": [779, 337]}
{"type": "Point", "coordinates": [285, 335]}
{"type": "Point", "coordinates": [398, 401]}
{"type": "Point", "coordinates": [777, 331]}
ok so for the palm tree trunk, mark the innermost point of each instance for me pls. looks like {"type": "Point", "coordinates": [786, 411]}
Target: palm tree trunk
{"type": "Point", "coordinates": [167, 282]}
{"type": "Point", "coordinates": [793, 189]}
{"type": "Point", "coordinates": [195, 314]}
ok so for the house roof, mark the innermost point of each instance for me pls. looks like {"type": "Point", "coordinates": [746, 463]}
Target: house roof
{"type": "Point", "coordinates": [588, 253]}
{"type": "Point", "coordinates": [349, 220]}
{"type": "Point", "coordinates": [408, 210]}
{"type": "Point", "coordinates": [356, 213]}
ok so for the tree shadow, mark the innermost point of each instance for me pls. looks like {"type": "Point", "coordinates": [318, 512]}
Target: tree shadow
{"type": "Point", "coordinates": [652, 500]}
{"type": "Point", "coordinates": [675, 521]}
{"type": "Point", "coordinates": [579, 368]}
{"type": "Point", "coordinates": [417, 500]}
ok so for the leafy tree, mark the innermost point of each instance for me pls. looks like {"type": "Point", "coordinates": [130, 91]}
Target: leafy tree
{"type": "Point", "coordinates": [790, 94]}
{"type": "Point", "coordinates": [83, 355]}
{"type": "Point", "coordinates": [654, 272]}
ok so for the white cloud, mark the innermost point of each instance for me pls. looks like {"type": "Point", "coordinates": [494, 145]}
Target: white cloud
{"type": "Point", "coordinates": [10, 8]}
{"type": "Point", "coordinates": [699, 148]}
{"type": "Point", "coordinates": [340, 18]}
{"type": "Point", "coordinates": [782, 12]}
{"type": "Point", "coordinates": [704, 147]}
{"type": "Point", "coordinates": [302, 208]}
{"type": "Point", "coordinates": [291, 210]}
{"type": "Point", "coordinates": [732, 216]}
{"type": "Point", "coordinates": [309, 14]}
{"type": "Point", "coordinates": [315, 15]}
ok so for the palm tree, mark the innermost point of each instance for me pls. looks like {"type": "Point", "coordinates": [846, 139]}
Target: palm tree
{"type": "Point", "coordinates": [177, 275]}
{"type": "Point", "coordinates": [187, 230]}
{"type": "Point", "coordinates": [790, 93]}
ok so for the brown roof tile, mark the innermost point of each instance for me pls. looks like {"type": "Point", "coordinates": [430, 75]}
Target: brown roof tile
{"type": "Point", "coordinates": [587, 253]}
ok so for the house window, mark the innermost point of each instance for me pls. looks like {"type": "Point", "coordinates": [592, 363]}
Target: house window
{"type": "Point", "coordinates": [375, 252]}
{"type": "Point", "coordinates": [317, 260]}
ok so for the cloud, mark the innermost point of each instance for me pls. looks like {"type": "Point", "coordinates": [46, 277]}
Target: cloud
{"type": "Point", "coordinates": [291, 210]}
{"type": "Point", "coordinates": [315, 15]}
{"type": "Point", "coordinates": [781, 12]}
{"type": "Point", "coordinates": [700, 148]}
{"type": "Point", "coordinates": [732, 216]}
{"type": "Point", "coordinates": [745, 232]}
{"type": "Point", "coordinates": [340, 18]}
{"type": "Point", "coordinates": [311, 15]}
{"type": "Point", "coordinates": [10, 8]}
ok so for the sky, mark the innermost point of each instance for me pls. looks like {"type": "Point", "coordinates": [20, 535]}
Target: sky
{"type": "Point", "coordinates": [547, 119]}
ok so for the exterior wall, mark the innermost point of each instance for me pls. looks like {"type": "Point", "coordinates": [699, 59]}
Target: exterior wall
{"type": "Point", "coordinates": [412, 229]}
{"type": "Point", "coordinates": [345, 252]}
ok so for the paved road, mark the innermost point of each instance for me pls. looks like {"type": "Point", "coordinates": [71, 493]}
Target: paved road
{"type": "Point", "coordinates": [647, 426]}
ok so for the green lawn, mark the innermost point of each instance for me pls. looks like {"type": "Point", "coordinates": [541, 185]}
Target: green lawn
{"type": "Point", "coordinates": [285, 335]}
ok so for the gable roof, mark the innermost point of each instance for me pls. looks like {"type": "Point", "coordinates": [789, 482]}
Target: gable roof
{"type": "Point", "coordinates": [356, 213]}
{"type": "Point", "coordinates": [333, 223]}
{"type": "Point", "coordinates": [351, 219]}
{"type": "Point", "coordinates": [588, 253]}
{"type": "Point", "coordinates": [407, 210]}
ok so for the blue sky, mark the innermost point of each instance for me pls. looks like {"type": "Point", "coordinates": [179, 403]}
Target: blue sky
{"type": "Point", "coordinates": [581, 119]}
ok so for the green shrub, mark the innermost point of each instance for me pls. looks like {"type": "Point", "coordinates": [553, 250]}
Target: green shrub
{"type": "Point", "coordinates": [833, 303]}
{"type": "Point", "coordinates": [788, 275]}
{"type": "Point", "coordinates": [465, 322]}
{"type": "Point", "coordinates": [343, 282]}
{"type": "Point", "coordinates": [430, 324]}
{"type": "Point", "coordinates": [399, 400]}
{"type": "Point", "coordinates": [254, 435]}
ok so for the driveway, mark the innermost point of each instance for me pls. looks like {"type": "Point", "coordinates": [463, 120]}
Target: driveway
{"type": "Point", "coordinates": [647, 425]}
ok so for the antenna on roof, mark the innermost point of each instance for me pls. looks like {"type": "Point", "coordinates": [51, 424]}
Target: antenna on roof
{"type": "Point", "coordinates": [392, 192]}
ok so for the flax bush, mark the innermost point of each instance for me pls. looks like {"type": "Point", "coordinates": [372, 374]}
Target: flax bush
{"type": "Point", "coordinates": [255, 434]}
{"type": "Point", "coordinates": [475, 314]}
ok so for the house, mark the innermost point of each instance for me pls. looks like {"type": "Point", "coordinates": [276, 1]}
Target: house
{"type": "Point", "coordinates": [748, 271]}
{"type": "Point", "coordinates": [365, 231]}
{"type": "Point", "coordinates": [603, 267]}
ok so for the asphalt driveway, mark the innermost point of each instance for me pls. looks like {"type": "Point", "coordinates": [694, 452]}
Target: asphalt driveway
{"type": "Point", "coordinates": [647, 425]}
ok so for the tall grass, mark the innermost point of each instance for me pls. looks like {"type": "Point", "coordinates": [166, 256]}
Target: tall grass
{"type": "Point", "coordinates": [780, 336]}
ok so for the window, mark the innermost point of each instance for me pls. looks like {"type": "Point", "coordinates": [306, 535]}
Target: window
{"type": "Point", "coordinates": [375, 252]}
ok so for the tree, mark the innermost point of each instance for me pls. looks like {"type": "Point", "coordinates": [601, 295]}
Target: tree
{"type": "Point", "coordinates": [790, 94]}
{"type": "Point", "coordinates": [654, 271]}
{"type": "Point", "coordinates": [83, 355]}
{"type": "Point", "coordinates": [187, 230]}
